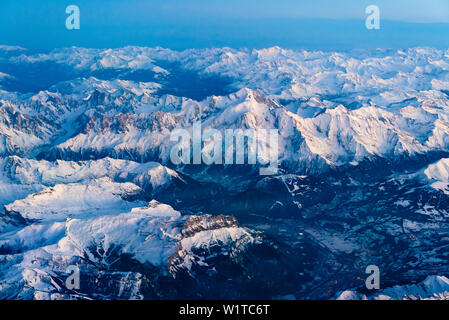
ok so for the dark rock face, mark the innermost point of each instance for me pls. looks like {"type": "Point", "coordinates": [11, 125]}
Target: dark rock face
{"type": "Point", "coordinates": [197, 224]}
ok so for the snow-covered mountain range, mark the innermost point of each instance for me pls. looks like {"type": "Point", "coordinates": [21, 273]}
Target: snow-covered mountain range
{"type": "Point", "coordinates": [86, 177]}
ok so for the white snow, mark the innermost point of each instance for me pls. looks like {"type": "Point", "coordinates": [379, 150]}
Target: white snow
{"type": "Point", "coordinates": [432, 288]}
{"type": "Point", "coordinates": [91, 198]}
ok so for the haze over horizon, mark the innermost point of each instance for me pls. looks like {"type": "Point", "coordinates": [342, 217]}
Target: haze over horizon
{"type": "Point", "coordinates": [323, 24]}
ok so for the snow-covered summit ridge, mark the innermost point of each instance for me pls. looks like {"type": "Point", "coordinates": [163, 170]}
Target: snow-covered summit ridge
{"type": "Point", "coordinates": [337, 108]}
{"type": "Point", "coordinates": [432, 288]}
{"type": "Point", "coordinates": [146, 238]}
{"type": "Point", "coordinates": [285, 74]}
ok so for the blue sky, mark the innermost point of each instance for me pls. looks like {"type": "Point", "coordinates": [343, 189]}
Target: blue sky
{"type": "Point", "coordinates": [179, 24]}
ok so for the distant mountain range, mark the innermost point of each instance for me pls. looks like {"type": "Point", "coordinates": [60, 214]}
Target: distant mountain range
{"type": "Point", "coordinates": [183, 31]}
